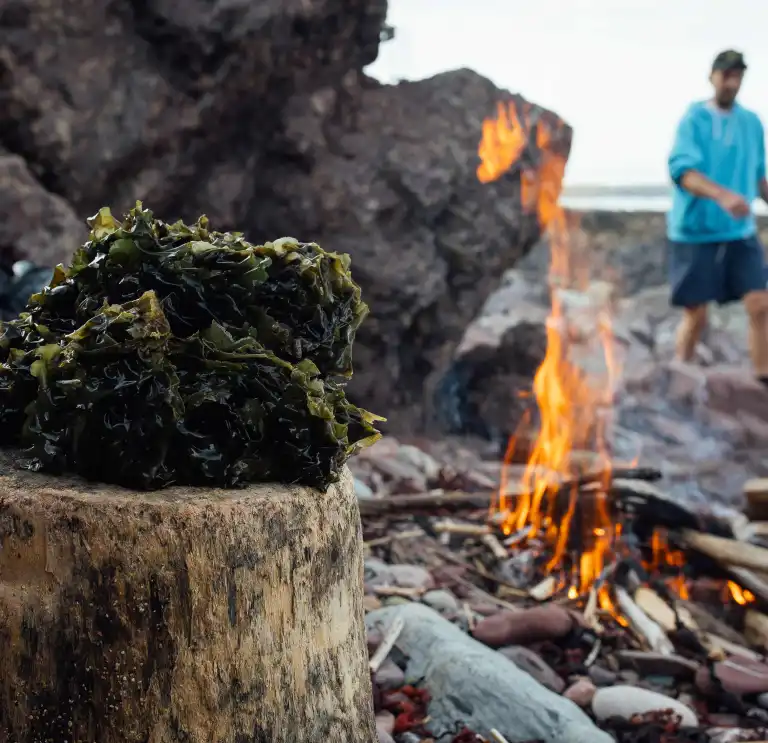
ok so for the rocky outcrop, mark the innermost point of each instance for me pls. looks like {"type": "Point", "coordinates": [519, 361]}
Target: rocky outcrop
{"type": "Point", "coordinates": [260, 116]}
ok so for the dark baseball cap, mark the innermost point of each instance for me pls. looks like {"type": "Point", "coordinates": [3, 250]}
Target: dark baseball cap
{"type": "Point", "coordinates": [729, 60]}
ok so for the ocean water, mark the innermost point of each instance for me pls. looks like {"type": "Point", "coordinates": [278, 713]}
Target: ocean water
{"type": "Point", "coordinates": [628, 203]}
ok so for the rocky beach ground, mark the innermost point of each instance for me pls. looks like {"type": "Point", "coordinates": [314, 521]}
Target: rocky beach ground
{"type": "Point", "coordinates": [469, 625]}
{"type": "Point", "coordinates": [266, 122]}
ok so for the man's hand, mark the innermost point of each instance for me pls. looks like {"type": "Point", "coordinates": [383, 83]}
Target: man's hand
{"type": "Point", "coordinates": [734, 204]}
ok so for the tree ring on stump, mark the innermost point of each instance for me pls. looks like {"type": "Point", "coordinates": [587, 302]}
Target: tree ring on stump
{"type": "Point", "coordinates": [196, 615]}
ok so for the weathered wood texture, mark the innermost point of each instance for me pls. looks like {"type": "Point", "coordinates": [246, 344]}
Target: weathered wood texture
{"type": "Point", "coordinates": [184, 615]}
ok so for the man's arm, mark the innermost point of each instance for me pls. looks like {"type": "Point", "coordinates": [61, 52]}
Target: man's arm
{"type": "Point", "coordinates": [698, 184]}
{"type": "Point", "coordinates": [686, 161]}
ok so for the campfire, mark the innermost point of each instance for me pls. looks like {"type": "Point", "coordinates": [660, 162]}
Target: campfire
{"type": "Point", "coordinates": [581, 531]}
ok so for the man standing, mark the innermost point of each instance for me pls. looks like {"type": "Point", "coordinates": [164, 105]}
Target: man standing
{"type": "Point", "coordinates": [717, 165]}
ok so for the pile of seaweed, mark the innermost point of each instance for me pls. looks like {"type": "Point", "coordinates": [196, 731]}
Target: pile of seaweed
{"type": "Point", "coordinates": [169, 353]}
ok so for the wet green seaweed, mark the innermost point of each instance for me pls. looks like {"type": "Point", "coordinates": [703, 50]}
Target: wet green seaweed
{"type": "Point", "coordinates": [175, 354]}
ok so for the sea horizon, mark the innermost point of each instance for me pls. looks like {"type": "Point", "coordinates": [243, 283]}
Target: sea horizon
{"type": "Point", "coordinates": [625, 198]}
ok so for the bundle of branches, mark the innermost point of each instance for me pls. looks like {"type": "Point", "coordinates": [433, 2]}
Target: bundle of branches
{"type": "Point", "coordinates": [175, 354]}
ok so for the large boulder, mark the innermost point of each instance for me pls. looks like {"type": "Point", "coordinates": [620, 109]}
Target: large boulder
{"type": "Point", "coordinates": [260, 116]}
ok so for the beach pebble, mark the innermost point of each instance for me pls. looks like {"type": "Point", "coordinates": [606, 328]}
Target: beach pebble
{"type": "Point", "coordinates": [627, 701]}
{"type": "Point", "coordinates": [533, 664]}
{"type": "Point", "coordinates": [440, 600]}
{"type": "Point", "coordinates": [523, 627]}
{"type": "Point", "coordinates": [395, 601]}
{"type": "Point", "coordinates": [740, 676]}
{"type": "Point", "coordinates": [371, 602]}
{"type": "Point", "coordinates": [374, 638]}
{"type": "Point", "coordinates": [657, 664]}
{"type": "Point", "coordinates": [483, 609]}
{"type": "Point", "coordinates": [362, 491]}
{"type": "Point", "coordinates": [378, 573]}
{"type": "Point", "coordinates": [581, 693]}
{"type": "Point", "coordinates": [602, 676]}
{"type": "Point", "coordinates": [421, 460]}
{"type": "Point", "coordinates": [409, 737]}
{"type": "Point", "coordinates": [411, 576]}
{"type": "Point", "coordinates": [384, 736]}
{"type": "Point", "coordinates": [729, 735]}
{"type": "Point", "coordinates": [385, 721]}
{"type": "Point", "coordinates": [389, 676]}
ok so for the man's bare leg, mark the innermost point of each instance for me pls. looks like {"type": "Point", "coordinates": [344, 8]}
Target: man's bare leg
{"type": "Point", "coordinates": [756, 304]}
{"type": "Point", "coordinates": [690, 330]}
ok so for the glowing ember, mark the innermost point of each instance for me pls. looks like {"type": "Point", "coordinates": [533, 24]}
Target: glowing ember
{"type": "Point", "coordinates": [574, 406]}
{"type": "Point", "coordinates": [738, 594]}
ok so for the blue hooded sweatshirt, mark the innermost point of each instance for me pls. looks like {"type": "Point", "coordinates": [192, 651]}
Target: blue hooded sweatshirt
{"type": "Point", "coordinates": [728, 148]}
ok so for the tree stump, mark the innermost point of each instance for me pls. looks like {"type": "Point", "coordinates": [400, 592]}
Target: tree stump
{"type": "Point", "coordinates": [184, 615]}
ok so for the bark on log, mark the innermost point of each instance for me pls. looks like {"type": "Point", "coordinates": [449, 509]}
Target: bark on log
{"type": "Point", "coordinates": [182, 615]}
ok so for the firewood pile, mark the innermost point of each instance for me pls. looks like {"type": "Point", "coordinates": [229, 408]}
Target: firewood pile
{"type": "Point", "coordinates": [665, 644]}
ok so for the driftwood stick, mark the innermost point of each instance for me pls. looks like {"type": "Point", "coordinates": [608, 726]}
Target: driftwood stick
{"type": "Point", "coordinates": [728, 552]}
{"type": "Point", "coordinates": [642, 624]}
{"type": "Point", "coordinates": [709, 623]}
{"type": "Point", "coordinates": [398, 537]}
{"type": "Point", "coordinates": [453, 501]}
{"type": "Point", "coordinates": [544, 590]}
{"type": "Point", "coordinates": [398, 505]}
{"type": "Point", "coordinates": [465, 530]}
{"type": "Point", "coordinates": [756, 629]}
{"type": "Point", "coordinates": [387, 643]}
{"type": "Point", "coordinates": [493, 544]}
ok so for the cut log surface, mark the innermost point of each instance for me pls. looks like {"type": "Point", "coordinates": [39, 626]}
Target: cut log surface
{"type": "Point", "coordinates": [203, 616]}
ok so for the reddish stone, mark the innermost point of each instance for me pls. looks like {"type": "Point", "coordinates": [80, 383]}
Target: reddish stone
{"type": "Point", "coordinates": [524, 627]}
{"type": "Point", "coordinates": [740, 676]}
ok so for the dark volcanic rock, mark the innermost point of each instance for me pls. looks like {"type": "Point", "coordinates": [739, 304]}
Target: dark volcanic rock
{"type": "Point", "coordinates": [259, 115]}
{"type": "Point", "coordinates": [34, 222]}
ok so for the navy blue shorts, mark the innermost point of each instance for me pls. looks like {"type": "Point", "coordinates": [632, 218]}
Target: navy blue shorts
{"type": "Point", "coordinates": [700, 273]}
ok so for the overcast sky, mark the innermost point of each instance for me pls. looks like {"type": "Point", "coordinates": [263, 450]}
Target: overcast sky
{"type": "Point", "coordinates": [621, 72]}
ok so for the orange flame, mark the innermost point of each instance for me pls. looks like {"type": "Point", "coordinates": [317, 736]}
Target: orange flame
{"type": "Point", "coordinates": [663, 556]}
{"type": "Point", "coordinates": [574, 409]}
{"type": "Point", "coordinates": [740, 595]}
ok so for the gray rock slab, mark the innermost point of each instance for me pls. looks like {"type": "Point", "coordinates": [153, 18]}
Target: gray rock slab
{"type": "Point", "coordinates": [474, 685]}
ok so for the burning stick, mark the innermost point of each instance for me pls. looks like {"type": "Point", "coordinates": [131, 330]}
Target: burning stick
{"type": "Point", "coordinates": [517, 537]}
{"type": "Point", "coordinates": [393, 505]}
{"type": "Point", "coordinates": [728, 552]}
{"type": "Point", "coordinates": [643, 624]}
{"type": "Point", "coordinates": [757, 584]}
{"type": "Point", "coordinates": [390, 638]}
